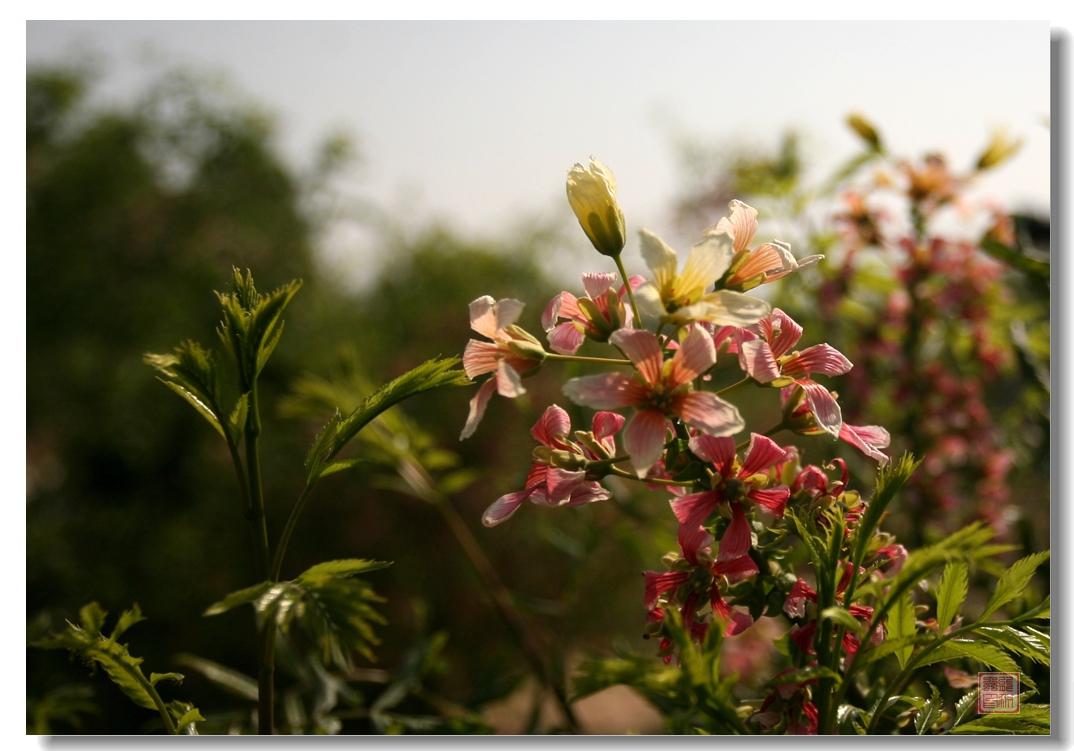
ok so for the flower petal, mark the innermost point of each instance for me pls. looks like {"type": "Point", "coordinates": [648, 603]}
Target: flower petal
{"type": "Point", "coordinates": [820, 358]}
{"type": "Point", "coordinates": [727, 308]}
{"type": "Point", "coordinates": [741, 223]}
{"type": "Point", "coordinates": [643, 349]}
{"type": "Point", "coordinates": [482, 317]}
{"type": "Point", "coordinates": [605, 391]}
{"type": "Point", "coordinates": [660, 258]}
{"type": "Point", "coordinates": [566, 338]}
{"type": "Point", "coordinates": [607, 424]}
{"type": "Point", "coordinates": [649, 301]}
{"type": "Point", "coordinates": [720, 451]}
{"type": "Point", "coordinates": [477, 408]}
{"type": "Point", "coordinates": [696, 355]}
{"type": "Point", "coordinates": [560, 483]}
{"type": "Point", "coordinates": [552, 427]}
{"type": "Point", "coordinates": [507, 312]}
{"type": "Point", "coordinates": [772, 500]}
{"type": "Point", "coordinates": [737, 569]}
{"type": "Point", "coordinates": [755, 357]}
{"type": "Point", "coordinates": [554, 310]}
{"type": "Point", "coordinates": [657, 584]}
{"type": "Point", "coordinates": [643, 439]}
{"type": "Point", "coordinates": [869, 438]}
{"type": "Point", "coordinates": [736, 541]}
{"type": "Point", "coordinates": [480, 357]}
{"type": "Point", "coordinates": [823, 406]}
{"type": "Point", "coordinates": [693, 538]}
{"type": "Point", "coordinates": [588, 492]}
{"type": "Point", "coordinates": [707, 262]}
{"type": "Point", "coordinates": [739, 622]}
{"type": "Point", "coordinates": [503, 507]}
{"type": "Point", "coordinates": [762, 454]}
{"type": "Point", "coordinates": [508, 382]}
{"type": "Point", "coordinates": [597, 283]}
{"type": "Point", "coordinates": [709, 413]}
{"type": "Point", "coordinates": [794, 605]}
{"type": "Point", "coordinates": [782, 332]}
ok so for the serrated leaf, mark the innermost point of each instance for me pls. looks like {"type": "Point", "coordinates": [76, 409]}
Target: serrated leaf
{"type": "Point", "coordinates": [340, 569]}
{"type": "Point", "coordinates": [902, 623]}
{"type": "Point", "coordinates": [954, 585]}
{"type": "Point", "coordinates": [202, 408]}
{"type": "Point", "coordinates": [1014, 582]}
{"type": "Point", "coordinates": [804, 674]}
{"type": "Point", "coordinates": [269, 347]}
{"type": "Point", "coordinates": [1008, 724]}
{"type": "Point", "coordinates": [241, 597]}
{"type": "Point", "coordinates": [891, 645]}
{"type": "Point", "coordinates": [92, 616]}
{"type": "Point", "coordinates": [185, 715]}
{"type": "Point", "coordinates": [154, 678]}
{"type": "Point", "coordinates": [842, 617]}
{"type": "Point", "coordinates": [126, 620]}
{"type": "Point", "coordinates": [1019, 642]}
{"type": "Point", "coordinates": [889, 480]}
{"type": "Point", "coordinates": [340, 466]}
{"type": "Point", "coordinates": [965, 706]}
{"type": "Point", "coordinates": [322, 446]}
{"type": "Point", "coordinates": [237, 421]}
{"type": "Point", "coordinates": [929, 712]}
{"type": "Point", "coordinates": [985, 653]}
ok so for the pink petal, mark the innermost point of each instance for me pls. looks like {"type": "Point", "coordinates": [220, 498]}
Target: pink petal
{"type": "Point", "coordinates": [739, 623]}
{"type": "Point", "coordinates": [794, 606]}
{"type": "Point", "coordinates": [719, 605]}
{"type": "Point", "coordinates": [588, 492]}
{"type": "Point", "coordinates": [772, 500]}
{"type": "Point", "coordinates": [820, 358]}
{"type": "Point", "coordinates": [561, 483]}
{"type": "Point", "coordinates": [720, 451]}
{"type": "Point", "coordinates": [507, 312]}
{"type": "Point", "coordinates": [607, 424]}
{"type": "Point", "coordinates": [477, 408]}
{"type": "Point", "coordinates": [802, 636]}
{"type": "Point", "coordinates": [597, 283]}
{"type": "Point", "coordinates": [482, 317]}
{"type": "Point", "coordinates": [508, 382]}
{"type": "Point", "coordinates": [644, 351]}
{"type": "Point", "coordinates": [552, 310]}
{"type": "Point", "coordinates": [537, 475]}
{"type": "Point", "coordinates": [823, 406]}
{"type": "Point", "coordinates": [553, 426]}
{"type": "Point", "coordinates": [869, 438]}
{"type": "Point", "coordinates": [644, 438]}
{"type": "Point", "coordinates": [695, 508]}
{"type": "Point", "coordinates": [737, 569]}
{"type": "Point", "coordinates": [784, 333]}
{"type": "Point", "coordinates": [696, 355]}
{"type": "Point", "coordinates": [755, 357]}
{"type": "Point", "coordinates": [657, 584]}
{"type": "Point", "coordinates": [480, 357]}
{"type": "Point", "coordinates": [742, 221]}
{"type": "Point", "coordinates": [566, 338]}
{"type": "Point", "coordinates": [504, 506]}
{"type": "Point", "coordinates": [708, 412]}
{"type": "Point", "coordinates": [762, 454]}
{"type": "Point", "coordinates": [635, 281]}
{"type": "Point", "coordinates": [605, 391]}
{"type": "Point", "coordinates": [693, 538]}
{"type": "Point", "coordinates": [736, 541]}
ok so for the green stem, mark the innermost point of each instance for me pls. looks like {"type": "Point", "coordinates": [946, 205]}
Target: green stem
{"type": "Point", "coordinates": [140, 679]}
{"type": "Point", "coordinates": [285, 537]}
{"type": "Point", "coordinates": [654, 480]}
{"type": "Point", "coordinates": [581, 358]}
{"type": "Point", "coordinates": [629, 290]}
{"type": "Point", "coordinates": [267, 654]}
{"type": "Point", "coordinates": [733, 386]}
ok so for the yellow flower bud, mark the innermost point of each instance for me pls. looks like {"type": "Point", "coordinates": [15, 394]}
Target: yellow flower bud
{"type": "Point", "coordinates": [999, 149]}
{"type": "Point", "coordinates": [865, 130]}
{"type": "Point", "coordinates": [591, 191]}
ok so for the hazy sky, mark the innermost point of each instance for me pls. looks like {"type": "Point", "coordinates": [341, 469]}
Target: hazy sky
{"type": "Point", "coordinates": [478, 122]}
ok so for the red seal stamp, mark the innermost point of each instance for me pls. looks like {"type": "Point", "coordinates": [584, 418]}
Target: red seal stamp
{"type": "Point", "coordinates": [997, 693]}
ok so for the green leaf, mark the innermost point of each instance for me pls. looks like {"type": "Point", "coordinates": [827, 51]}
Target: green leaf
{"type": "Point", "coordinates": [1032, 719]}
{"type": "Point", "coordinates": [431, 374]}
{"type": "Point", "coordinates": [1020, 642]}
{"type": "Point", "coordinates": [92, 617]}
{"type": "Point", "coordinates": [203, 409]}
{"type": "Point", "coordinates": [240, 597]}
{"type": "Point", "coordinates": [192, 373]}
{"type": "Point", "coordinates": [902, 623]}
{"type": "Point", "coordinates": [965, 706]}
{"type": "Point", "coordinates": [154, 678]}
{"type": "Point", "coordinates": [185, 715]}
{"type": "Point", "coordinates": [237, 421]}
{"type": "Point", "coordinates": [126, 620]}
{"type": "Point", "coordinates": [889, 480]}
{"type": "Point", "coordinates": [954, 585]}
{"type": "Point", "coordinates": [892, 645]}
{"type": "Point", "coordinates": [340, 569]}
{"type": "Point", "coordinates": [1042, 612]}
{"type": "Point", "coordinates": [929, 712]}
{"type": "Point", "coordinates": [322, 446]}
{"type": "Point", "coordinates": [986, 653]}
{"type": "Point", "coordinates": [842, 617]}
{"type": "Point", "coordinates": [227, 678]}
{"type": "Point", "coordinates": [1010, 256]}
{"type": "Point", "coordinates": [1014, 582]}
{"type": "Point", "coordinates": [340, 466]}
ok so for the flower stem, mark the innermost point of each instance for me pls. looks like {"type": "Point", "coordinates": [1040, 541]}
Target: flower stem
{"type": "Point", "coordinates": [733, 386]}
{"type": "Point", "coordinates": [285, 537]}
{"type": "Point", "coordinates": [581, 358]}
{"type": "Point", "coordinates": [654, 480]}
{"type": "Point", "coordinates": [629, 290]}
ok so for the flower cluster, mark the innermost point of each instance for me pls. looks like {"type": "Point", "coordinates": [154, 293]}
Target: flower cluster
{"type": "Point", "coordinates": [663, 336]}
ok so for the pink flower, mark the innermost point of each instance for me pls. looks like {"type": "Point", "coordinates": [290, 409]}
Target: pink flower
{"type": "Point", "coordinates": [798, 414]}
{"type": "Point", "coordinates": [765, 263]}
{"type": "Point", "coordinates": [734, 483]}
{"type": "Point", "coordinates": [659, 389]}
{"type": "Point", "coordinates": [550, 485]}
{"type": "Point", "coordinates": [501, 356]}
{"type": "Point", "coordinates": [765, 352]}
{"type": "Point", "coordinates": [868, 438]}
{"type": "Point", "coordinates": [596, 315]}
{"type": "Point", "coordinates": [795, 607]}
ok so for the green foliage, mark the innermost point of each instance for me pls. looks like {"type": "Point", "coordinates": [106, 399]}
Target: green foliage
{"type": "Point", "coordinates": [332, 608]}
{"type": "Point", "coordinates": [65, 704]}
{"type": "Point", "coordinates": [251, 327]}
{"type": "Point", "coordinates": [92, 646]}
{"type": "Point", "coordinates": [900, 624]}
{"type": "Point", "coordinates": [1032, 719]}
{"type": "Point", "coordinates": [953, 589]}
{"type": "Point", "coordinates": [889, 480]}
{"type": "Point", "coordinates": [1014, 582]}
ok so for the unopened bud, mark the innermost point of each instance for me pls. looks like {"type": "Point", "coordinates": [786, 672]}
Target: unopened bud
{"type": "Point", "coordinates": [865, 130]}
{"type": "Point", "coordinates": [999, 150]}
{"type": "Point", "coordinates": [591, 192]}
{"type": "Point", "coordinates": [566, 460]}
{"type": "Point", "coordinates": [526, 349]}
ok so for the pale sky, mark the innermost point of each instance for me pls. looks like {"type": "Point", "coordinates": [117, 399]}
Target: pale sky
{"type": "Point", "coordinates": [478, 122]}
